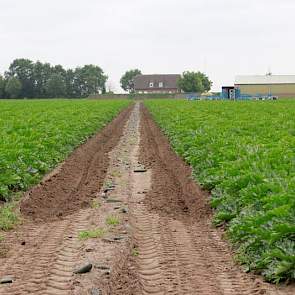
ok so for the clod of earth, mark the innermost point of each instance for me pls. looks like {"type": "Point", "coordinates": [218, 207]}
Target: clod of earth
{"type": "Point", "coordinates": [84, 269]}
{"type": "Point", "coordinates": [107, 272]}
{"type": "Point", "coordinates": [118, 238]}
{"type": "Point", "coordinates": [102, 267]}
{"type": "Point", "coordinates": [139, 170]}
{"type": "Point", "coordinates": [113, 201]}
{"type": "Point", "coordinates": [108, 240]}
{"type": "Point", "coordinates": [108, 189]}
{"type": "Point", "coordinates": [95, 291]}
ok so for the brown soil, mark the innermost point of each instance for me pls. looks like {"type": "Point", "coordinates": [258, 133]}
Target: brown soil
{"type": "Point", "coordinates": [78, 179]}
{"type": "Point", "coordinates": [164, 243]}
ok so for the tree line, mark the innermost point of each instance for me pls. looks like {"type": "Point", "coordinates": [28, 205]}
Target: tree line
{"type": "Point", "coordinates": [28, 79]}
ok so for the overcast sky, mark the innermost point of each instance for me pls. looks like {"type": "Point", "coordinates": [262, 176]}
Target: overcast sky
{"type": "Point", "coordinates": [220, 37]}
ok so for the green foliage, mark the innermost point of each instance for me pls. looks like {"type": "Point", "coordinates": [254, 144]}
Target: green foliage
{"type": "Point", "coordinates": [13, 87]}
{"type": "Point", "coordinates": [135, 252]}
{"type": "Point", "coordinates": [112, 220]}
{"type": "Point", "coordinates": [36, 135]}
{"type": "Point", "coordinates": [95, 204]}
{"type": "Point", "coordinates": [42, 80]}
{"type": "Point", "coordinates": [194, 82]}
{"type": "Point", "coordinates": [8, 217]}
{"type": "Point", "coordinates": [244, 152]}
{"type": "Point", "coordinates": [2, 87]}
{"type": "Point", "coordinates": [127, 80]}
{"type": "Point", "coordinates": [23, 69]}
{"type": "Point", "coordinates": [55, 86]}
{"type": "Point", "coordinates": [91, 234]}
{"type": "Point", "coordinates": [91, 80]}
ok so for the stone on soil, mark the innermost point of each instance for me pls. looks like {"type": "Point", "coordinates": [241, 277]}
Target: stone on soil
{"type": "Point", "coordinates": [6, 280]}
{"type": "Point", "coordinates": [84, 269]}
{"type": "Point", "coordinates": [95, 291]}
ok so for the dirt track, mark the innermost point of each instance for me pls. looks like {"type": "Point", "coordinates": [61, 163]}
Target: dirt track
{"type": "Point", "coordinates": [164, 244]}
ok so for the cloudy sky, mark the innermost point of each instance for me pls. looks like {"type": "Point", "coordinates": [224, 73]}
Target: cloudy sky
{"type": "Point", "coordinates": [220, 37]}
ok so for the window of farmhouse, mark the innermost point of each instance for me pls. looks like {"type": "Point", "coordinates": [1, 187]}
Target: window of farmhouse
{"type": "Point", "coordinates": [151, 84]}
{"type": "Point", "coordinates": [161, 84]}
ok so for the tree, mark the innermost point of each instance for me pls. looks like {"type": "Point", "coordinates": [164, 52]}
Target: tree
{"type": "Point", "coordinates": [194, 82]}
{"type": "Point", "coordinates": [90, 79]}
{"type": "Point", "coordinates": [2, 87]}
{"type": "Point", "coordinates": [55, 86]}
{"type": "Point", "coordinates": [13, 87]}
{"type": "Point", "coordinates": [41, 74]}
{"type": "Point", "coordinates": [72, 89]}
{"type": "Point", "coordinates": [23, 70]}
{"type": "Point", "coordinates": [42, 80]}
{"type": "Point", "coordinates": [127, 80]}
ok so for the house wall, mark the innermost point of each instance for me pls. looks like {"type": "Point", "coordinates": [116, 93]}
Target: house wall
{"type": "Point", "coordinates": [157, 90]}
{"type": "Point", "coordinates": [281, 90]}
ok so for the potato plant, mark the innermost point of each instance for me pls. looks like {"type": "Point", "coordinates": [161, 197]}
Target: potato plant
{"type": "Point", "coordinates": [35, 135]}
{"type": "Point", "coordinates": [244, 153]}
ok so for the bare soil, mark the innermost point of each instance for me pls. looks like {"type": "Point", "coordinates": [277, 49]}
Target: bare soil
{"type": "Point", "coordinates": [163, 244]}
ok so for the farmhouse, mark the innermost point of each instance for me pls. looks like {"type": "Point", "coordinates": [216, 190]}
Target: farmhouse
{"type": "Point", "coordinates": [266, 85]}
{"type": "Point", "coordinates": [166, 83]}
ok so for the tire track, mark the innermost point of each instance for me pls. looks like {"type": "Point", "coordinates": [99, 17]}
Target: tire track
{"type": "Point", "coordinates": [77, 179]}
{"type": "Point", "coordinates": [190, 272]}
{"type": "Point", "coordinates": [174, 232]}
{"type": "Point", "coordinates": [145, 235]}
{"type": "Point", "coordinates": [148, 261]}
{"type": "Point", "coordinates": [43, 256]}
{"type": "Point", "coordinates": [48, 267]}
{"type": "Point", "coordinates": [173, 249]}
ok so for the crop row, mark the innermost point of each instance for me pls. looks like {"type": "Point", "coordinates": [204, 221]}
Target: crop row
{"type": "Point", "coordinates": [244, 153]}
{"type": "Point", "coordinates": [36, 135]}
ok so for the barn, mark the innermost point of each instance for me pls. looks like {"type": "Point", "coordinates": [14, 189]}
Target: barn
{"type": "Point", "coordinates": [266, 85]}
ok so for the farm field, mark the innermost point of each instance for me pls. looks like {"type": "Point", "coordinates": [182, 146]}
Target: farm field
{"type": "Point", "coordinates": [121, 214]}
{"type": "Point", "coordinates": [35, 135]}
{"type": "Point", "coordinates": [244, 153]}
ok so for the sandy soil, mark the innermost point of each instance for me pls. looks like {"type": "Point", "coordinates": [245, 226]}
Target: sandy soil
{"type": "Point", "coordinates": [163, 243]}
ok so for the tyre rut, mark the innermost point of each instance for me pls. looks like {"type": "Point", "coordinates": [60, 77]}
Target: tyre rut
{"type": "Point", "coordinates": [167, 244]}
{"type": "Point", "coordinates": [78, 178]}
{"type": "Point", "coordinates": [43, 255]}
{"type": "Point", "coordinates": [179, 252]}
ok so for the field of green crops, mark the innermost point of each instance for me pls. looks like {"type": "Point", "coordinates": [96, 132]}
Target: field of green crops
{"type": "Point", "coordinates": [35, 135]}
{"type": "Point", "coordinates": [244, 152]}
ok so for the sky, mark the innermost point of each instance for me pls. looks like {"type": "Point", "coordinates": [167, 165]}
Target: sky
{"type": "Point", "coordinates": [222, 38]}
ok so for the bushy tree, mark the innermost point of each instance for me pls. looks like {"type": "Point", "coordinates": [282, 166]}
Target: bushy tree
{"type": "Point", "coordinates": [23, 70]}
{"type": "Point", "coordinates": [13, 87]}
{"type": "Point", "coordinates": [41, 74]}
{"type": "Point", "coordinates": [127, 80]}
{"type": "Point", "coordinates": [72, 89]}
{"type": "Point", "coordinates": [42, 80]}
{"type": "Point", "coordinates": [2, 87]}
{"type": "Point", "coordinates": [194, 82]}
{"type": "Point", "coordinates": [91, 80]}
{"type": "Point", "coordinates": [55, 86]}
